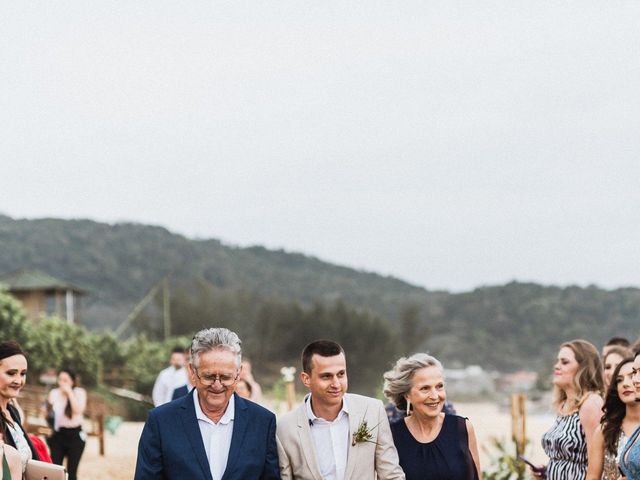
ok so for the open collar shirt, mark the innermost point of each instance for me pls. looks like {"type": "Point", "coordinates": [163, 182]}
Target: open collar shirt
{"type": "Point", "coordinates": [331, 440]}
{"type": "Point", "coordinates": [216, 436]}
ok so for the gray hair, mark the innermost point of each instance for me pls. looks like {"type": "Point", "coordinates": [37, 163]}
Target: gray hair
{"type": "Point", "coordinates": [397, 381]}
{"type": "Point", "coordinates": [215, 339]}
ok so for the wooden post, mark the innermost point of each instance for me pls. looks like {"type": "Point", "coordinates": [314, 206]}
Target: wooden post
{"type": "Point", "coordinates": [291, 395]}
{"type": "Point", "coordinates": [519, 421]}
{"type": "Point", "coordinates": [289, 379]}
{"type": "Point", "coordinates": [101, 433]}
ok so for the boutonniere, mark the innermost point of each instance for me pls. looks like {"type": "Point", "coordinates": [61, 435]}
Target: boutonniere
{"type": "Point", "coordinates": [363, 433]}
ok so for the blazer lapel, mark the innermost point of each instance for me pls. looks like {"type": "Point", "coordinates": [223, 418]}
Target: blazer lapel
{"type": "Point", "coordinates": [306, 443]}
{"type": "Point", "coordinates": [356, 416]}
{"type": "Point", "coordinates": [192, 430]}
{"type": "Point", "coordinates": [240, 422]}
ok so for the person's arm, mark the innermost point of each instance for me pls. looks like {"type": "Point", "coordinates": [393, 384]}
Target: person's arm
{"type": "Point", "coordinates": [387, 462]}
{"type": "Point", "coordinates": [149, 464]}
{"type": "Point", "coordinates": [271, 466]}
{"type": "Point", "coordinates": [473, 447]}
{"type": "Point", "coordinates": [256, 392]}
{"type": "Point", "coordinates": [283, 461]}
{"type": "Point", "coordinates": [595, 456]}
{"type": "Point", "coordinates": [590, 414]}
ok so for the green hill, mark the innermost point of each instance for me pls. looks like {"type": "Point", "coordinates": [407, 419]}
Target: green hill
{"type": "Point", "coordinates": [518, 325]}
{"type": "Point", "coordinates": [119, 263]}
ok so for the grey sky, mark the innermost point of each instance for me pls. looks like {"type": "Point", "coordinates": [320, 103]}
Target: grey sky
{"type": "Point", "coordinates": [452, 144]}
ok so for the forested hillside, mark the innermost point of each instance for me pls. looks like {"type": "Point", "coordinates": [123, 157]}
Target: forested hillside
{"type": "Point", "coordinates": [277, 299]}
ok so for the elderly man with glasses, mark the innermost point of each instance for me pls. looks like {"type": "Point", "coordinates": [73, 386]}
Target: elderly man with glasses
{"type": "Point", "coordinates": [212, 433]}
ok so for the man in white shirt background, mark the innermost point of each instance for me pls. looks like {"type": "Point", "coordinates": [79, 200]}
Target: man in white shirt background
{"type": "Point", "coordinates": [171, 378]}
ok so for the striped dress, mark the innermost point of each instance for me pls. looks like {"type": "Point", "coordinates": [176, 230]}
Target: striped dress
{"type": "Point", "coordinates": [566, 447]}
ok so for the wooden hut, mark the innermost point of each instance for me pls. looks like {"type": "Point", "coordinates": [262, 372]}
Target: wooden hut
{"type": "Point", "coordinates": [43, 294]}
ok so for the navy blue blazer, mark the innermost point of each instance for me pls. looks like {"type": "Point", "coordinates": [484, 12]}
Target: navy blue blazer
{"type": "Point", "coordinates": [179, 392]}
{"type": "Point", "coordinates": [171, 446]}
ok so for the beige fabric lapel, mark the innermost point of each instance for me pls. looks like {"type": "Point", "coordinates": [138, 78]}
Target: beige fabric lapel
{"type": "Point", "coordinates": [355, 417]}
{"type": "Point", "coordinates": [308, 448]}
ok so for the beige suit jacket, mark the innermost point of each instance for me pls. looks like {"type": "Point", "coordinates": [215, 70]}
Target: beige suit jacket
{"type": "Point", "coordinates": [365, 460]}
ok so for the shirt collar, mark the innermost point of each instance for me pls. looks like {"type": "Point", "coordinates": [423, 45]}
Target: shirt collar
{"type": "Point", "coordinates": [312, 416]}
{"type": "Point", "coordinates": [229, 413]}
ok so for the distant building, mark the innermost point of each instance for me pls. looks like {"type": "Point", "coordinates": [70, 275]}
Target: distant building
{"type": "Point", "coordinates": [472, 381]}
{"type": "Point", "coordinates": [41, 294]}
{"type": "Point", "coordinates": [518, 382]}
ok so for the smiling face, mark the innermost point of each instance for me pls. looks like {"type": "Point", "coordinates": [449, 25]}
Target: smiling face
{"type": "Point", "coordinates": [214, 397]}
{"type": "Point", "coordinates": [624, 384]}
{"type": "Point", "coordinates": [327, 381]}
{"type": "Point", "coordinates": [13, 374]}
{"type": "Point", "coordinates": [565, 369]}
{"type": "Point", "coordinates": [610, 363]}
{"type": "Point", "coordinates": [427, 394]}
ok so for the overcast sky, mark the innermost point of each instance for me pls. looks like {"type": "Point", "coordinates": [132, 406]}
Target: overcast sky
{"type": "Point", "coordinates": [451, 144]}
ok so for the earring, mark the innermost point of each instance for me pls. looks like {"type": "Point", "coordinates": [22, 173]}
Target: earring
{"type": "Point", "coordinates": [408, 408]}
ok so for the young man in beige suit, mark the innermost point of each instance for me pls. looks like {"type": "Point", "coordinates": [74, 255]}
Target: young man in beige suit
{"type": "Point", "coordinates": [335, 435]}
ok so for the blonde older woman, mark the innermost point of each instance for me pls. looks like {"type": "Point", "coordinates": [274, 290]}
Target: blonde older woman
{"type": "Point", "coordinates": [430, 443]}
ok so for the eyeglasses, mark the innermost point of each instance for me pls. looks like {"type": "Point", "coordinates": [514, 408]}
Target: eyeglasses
{"type": "Point", "coordinates": [225, 379]}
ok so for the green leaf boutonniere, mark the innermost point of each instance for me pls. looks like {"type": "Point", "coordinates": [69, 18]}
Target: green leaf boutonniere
{"type": "Point", "coordinates": [363, 433]}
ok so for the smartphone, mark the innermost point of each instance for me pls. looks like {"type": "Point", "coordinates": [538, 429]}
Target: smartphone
{"type": "Point", "coordinates": [542, 471]}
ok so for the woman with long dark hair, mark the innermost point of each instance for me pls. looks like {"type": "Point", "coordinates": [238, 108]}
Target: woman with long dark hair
{"type": "Point", "coordinates": [13, 374]}
{"type": "Point", "coordinates": [630, 456]}
{"type": "Point", "coordinates": [621, 418]}
{"type": "Point", "coordinates": [68, 402]}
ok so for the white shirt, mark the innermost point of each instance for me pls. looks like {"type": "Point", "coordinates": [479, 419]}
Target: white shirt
{"type": "Point", "coordinates": [59, 403]}
{"type": "Point", "coordinates": [168, 380]}
{"type": "Point", "coordinates": [216, 437]}
{"type": "Point", "coordinates": [331, 440]}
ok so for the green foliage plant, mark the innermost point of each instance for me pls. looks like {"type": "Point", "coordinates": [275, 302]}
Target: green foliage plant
{"type": "Point", "coordinates": [504, 463]}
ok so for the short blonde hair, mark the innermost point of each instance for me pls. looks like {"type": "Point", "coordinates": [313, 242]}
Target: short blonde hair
{"type": "Point", "coordinates": [397, 381]}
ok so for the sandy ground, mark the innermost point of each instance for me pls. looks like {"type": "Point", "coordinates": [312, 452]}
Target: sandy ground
{"type": "Point", "coordinates": [119, 462]}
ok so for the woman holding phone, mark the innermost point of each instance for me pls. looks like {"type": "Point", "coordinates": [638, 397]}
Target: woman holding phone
{"type": "Point", "coordinates": [621, 418]}
{"type": "Point", "coordinates": [578, 385]}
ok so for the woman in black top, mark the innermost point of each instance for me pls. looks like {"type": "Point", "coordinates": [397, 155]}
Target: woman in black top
{"type": "Point", "coordinates": [13, 372]}
{"type": "Point", "coordinates": [431, 444]}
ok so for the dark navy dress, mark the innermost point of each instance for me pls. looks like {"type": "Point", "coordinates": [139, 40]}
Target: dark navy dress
{"type": "Point", "coordinates": [445, 458]}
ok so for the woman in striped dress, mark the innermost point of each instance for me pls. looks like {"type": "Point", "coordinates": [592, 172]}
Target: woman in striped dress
{"type": "Point", "coordinates": [578, 385]}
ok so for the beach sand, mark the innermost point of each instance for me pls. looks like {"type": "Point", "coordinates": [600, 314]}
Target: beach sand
{"type": "Point", "coordinates": [488, 420]}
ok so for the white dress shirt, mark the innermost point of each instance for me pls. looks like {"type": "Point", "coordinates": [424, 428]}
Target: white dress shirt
{"type": "Point", "coordinates": [168, 380]}
{"type": "Point", "coordinates": [331, 440]}
{"type": "Point", "coordinates": [216, 436]}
